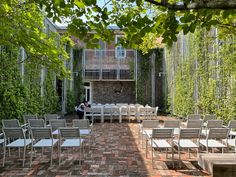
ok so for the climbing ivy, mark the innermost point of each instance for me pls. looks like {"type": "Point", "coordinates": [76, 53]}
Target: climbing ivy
{"type": "Point", "coordinates": [201, 74]}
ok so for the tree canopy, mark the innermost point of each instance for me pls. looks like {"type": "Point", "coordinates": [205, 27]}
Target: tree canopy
{"type": "Point", "coordinates": [138, 18]}
{"type": "Point", "coordinates": [22, 25]}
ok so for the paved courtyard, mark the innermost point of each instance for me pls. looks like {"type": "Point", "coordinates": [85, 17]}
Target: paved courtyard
{"type": "Point", "coordinates": [115, 151]}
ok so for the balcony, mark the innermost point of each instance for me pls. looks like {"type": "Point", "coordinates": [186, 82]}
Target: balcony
{"type": "Point", "coordinates": [99, 64]}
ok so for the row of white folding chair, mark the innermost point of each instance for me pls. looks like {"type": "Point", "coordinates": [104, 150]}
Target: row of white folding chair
{"type": "Point", "coordinates": [37, 129]}
{"type": "Point", "coordinates": [148, 125]}
{"type": "Point", "coordinates": [47, 117]}
{"type": "Point", "coordinates": [41, 137]}
{"type": "Point", "coordinates": [185, 139]}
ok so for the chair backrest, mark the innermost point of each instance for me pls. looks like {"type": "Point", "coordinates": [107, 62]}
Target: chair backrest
{"type": "Point", "coordinates": [171, 124]}
{"type": "Point", "coordinates": [209, 117]}
{"type": "Point", "coordinates": [115, 110]}
{"type": "Point", "coordinates": [41, 132]}
{"type": "Point", "coordinates": [49, 117]}
{"type": "Point", "coordinates": [8, 123]}
{"type": "Point", "coordinates": [81, 123]}
{"type": "Point", "coordinates": [36, 123]}
{"type": "Point", "coordinates": [162, 133]}
{"type": "Point", "coordinates": [124, 109]}
{"type": "Point", "coordinates": [148, 124]}
{"type": "Point", "coordinates": [232, 124]}
{"type": "Point", "coordinates": [218, 133]}
{"type": "Point", "coordinates": [194, 116]}
{"type": "Point", "coordinates": [107, 110]}
{"type": "Point", "coordinates": [27, 117]}
{"type": "Point", "coordinates": [156, 110]}
{"type": "Point", "coordinates": [97, 110]}
{"type": "Point", "coordinates": [194, 123]}
{"type": "Point", "coordinates": [55, 124]}
{"type": "Point", "coordinates": [151, 110]}
{"type": "Point", "coordinates": [214, 123]}
{"type": "Point", "coordinates": [142, 110]}
{"type": "Point", "coordinates": [13, 132]}
{"type": "Point", "coordinates": [189, 133]}
{"type": "Point", "coordinates": [69, 132]}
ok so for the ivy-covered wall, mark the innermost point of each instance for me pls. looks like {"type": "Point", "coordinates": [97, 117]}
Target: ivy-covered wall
{"type": "Point", "coordinates": [149, 74]}
{"type": "Point", "coordinates": [200, 71]}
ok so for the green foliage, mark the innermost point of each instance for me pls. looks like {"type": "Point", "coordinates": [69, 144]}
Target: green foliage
{"type": "Point", "coordinates": [138, 18]}
{"type": "Point", "coordinates": [203, 79]}
{"type": "Point", "coordinates": [71, 102]}
{"type": "Point", "coordinates": [50, 98]}
{"type": "Point", "coordinates": [22, 25]}
{"type": "Point", "coordinates": [142, 82]}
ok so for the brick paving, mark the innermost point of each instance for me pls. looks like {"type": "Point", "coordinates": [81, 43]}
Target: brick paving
{"type": "Point", "coordinates": [115, 151]}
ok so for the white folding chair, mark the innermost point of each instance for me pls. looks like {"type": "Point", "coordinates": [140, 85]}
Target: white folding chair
{"type": "Point", "coordinates": [70, 138]}
{"type": "Point", "coordinates": [97, 113]}
{"type": "Point", "coordinates": [194, 123]}
{"type": "Point", "coordinates": [146, 130]}
{"type": "Point", "coordinates": [162, 138]}
{"type": "Point", "coordinates": [49, 117]}
{"type": "Point", "coordinates": [19, 140]}
{"type": "Point", "coordinates": [28, 116]}
{"type": "Point", "coordinates": [188, 138]}
{"type": "Point", "coordinates": [151, 113]}
{"type": "Point", "coordinates": [43, 138]}
{"type": "Point", "coordinates": [56, 124]}
{"type": "Point", "coordinates": [232, 126]}
{"type": "Point", "coordinates": [212, 137]}
{"type": "Point", "coordinates": [115, 112]}
{"type": "Point", "coordinates": [88, 114]}
{"type": "Point", "coordinates": [107, 112]}
{"type": "Point", "coordinates": [212, 124]}
{"type": "Point", "coordinates": [231, 141]}
{"type": "Point", "coordinates": [175, 124]}
{"type": "Point", "coordinates": [84, 127]}
{"type": "Point", "coordinates": [142, 112]}
{"type": "Point", "coordinates": [124, 111]}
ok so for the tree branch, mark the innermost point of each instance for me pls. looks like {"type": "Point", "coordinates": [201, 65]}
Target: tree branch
{"type": "Point", "coordinates": [203, 4]}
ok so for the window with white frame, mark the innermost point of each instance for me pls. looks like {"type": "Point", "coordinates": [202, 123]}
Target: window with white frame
{"type": "Point", "coordinates": [120, 52]}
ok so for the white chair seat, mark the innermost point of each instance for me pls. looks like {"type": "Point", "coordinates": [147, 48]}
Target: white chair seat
{"type": "Point", "coordinates": [161, 144]}
{"type": "Point", "coordinates": [232, 133]}
{"type": "Point", "coordinates": [45, 143]}
{"type": "Point", "coordinates": [55, 132]}
{"type": "Point", "coordinates": [212, 143]}
{"type": "Point", "coordinates": [85, 131]}
{"type": "Point", "coordinates": [19, 143]}
{"type": "Point", "coordinates": [205, 132]}
{"type": "Point", "coordinates": [72, 143]}
{"type": "Point", "coordinates": [231, 142]}
{"type": "Point", "coordinates": [1, 141]}
{"type": "Point", "coordinates": [185, 143]}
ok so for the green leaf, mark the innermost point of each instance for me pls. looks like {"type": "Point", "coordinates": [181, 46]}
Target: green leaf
{"type": "Point", "coordinates": [80, 4]}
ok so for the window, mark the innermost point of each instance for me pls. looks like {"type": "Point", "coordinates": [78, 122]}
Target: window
{"type": "Point", "coordinates": [120, 51]}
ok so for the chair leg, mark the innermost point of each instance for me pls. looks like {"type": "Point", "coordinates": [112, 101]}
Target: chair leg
{"type": "Point", "coordinates": [180, 164]}
{"type": "Point", "coordinates": [80, 154]}
{"type": "Point", "coordinates": [24, 156]}
{"type": "Point", "coordinates": [59, 156]}
{"type": "Point", "coordinates": [146, 148]}
{"type": "Point", "coordinates": [4, 156]}
{"type": "Point", "coordinates": [31, 153]}
{"type": "Point", "coordinates": [152, 156]}
{"type": "Point", "coordinates": [51, 155]}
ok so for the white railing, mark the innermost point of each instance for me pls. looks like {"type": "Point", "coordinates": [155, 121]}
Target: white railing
{"type": "Point", "coordinates": [99, 64]}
